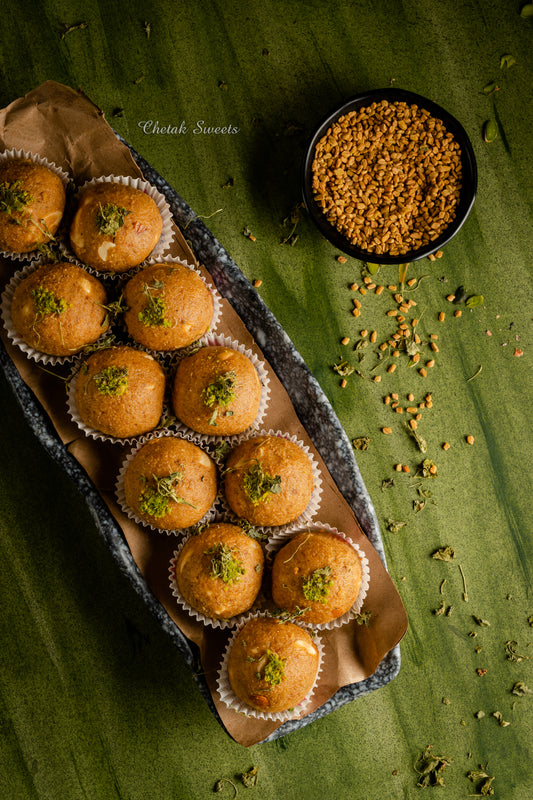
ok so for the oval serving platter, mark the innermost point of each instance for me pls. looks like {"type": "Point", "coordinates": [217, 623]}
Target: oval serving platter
{"type": "Point", "coordinates": [311, 407]}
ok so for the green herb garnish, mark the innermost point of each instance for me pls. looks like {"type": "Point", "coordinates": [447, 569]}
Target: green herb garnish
{"type": "Point", "coordinates": [317, 585]}
{"type": "Point", "coordinates": [47, 303]}
{"type": "Point", "coordinates": [430, 768]}
{"type": "Point", "coordinates": [224, 565]}
{"type": "Point", "coordinates": [155, 500]}
{"type": "Point", "coordinates": [13, 197]}
{"type": "Point", "coordinates": [220, 393]}
{"type": "Point", "coordinates": [110, 218]}
{"type": "Point", "coordinates": [154, 311]}
{"type": "Point", "coordinates": [259, 485]}
{"type": "Point", "coordinates": [112, 380]}
{"type": "Point", "coordinates": [274, 671]}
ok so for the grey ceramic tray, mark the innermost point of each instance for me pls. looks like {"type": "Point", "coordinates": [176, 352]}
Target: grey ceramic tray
{"type": "Point", "coordinates": [310, 404]}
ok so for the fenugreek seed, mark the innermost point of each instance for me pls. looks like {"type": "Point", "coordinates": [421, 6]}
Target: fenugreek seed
{"type": "Point", "coordinates": [383, 346]}
{"type": "Point", "coordinates": [421, 405]}
{"type": "Point", "coordinates": [395, 404]}
{"type": "Point", "coordinates": [398, 467]}
{"type": "Point", "coordinates": [411, 409]}
{"type": "Point", "coordinates": [356, 302]}
{"type": "Point", "coordinates": [345, 340]}
{"type": "Point", "coordinates": [430, 363]}
{"type": "Point", "coordinates": [434, 347]}
{"type": "Point", "coordinates": [373, 336]}
{"type": "Point", "coordinates": [356, 312]}
{"type": "Point", "coordinates": [395, 396]}
{"type": "Point", "coordinates": [257, 283]}
{"type": "Point", "coordinates": [398, 298]}
{"type": "Point", "coordinates": [362, 290]}
{"type": "Point", "coordinates": [417, 338]}
{"type": "Point", "coordinates": [414, 323]}
{"type": "Point", "coordinates": [418, 417]}
{"type": "Point", "coordinates": [386, 430]}
{"type": "Point", "coordinates": [433, 469]}
{"type": "Point", "coordinates": [377, 378]}
{"type": "Point", "coordinates": [404, 308]}
{"type": "Point", "coordinates": [342, 259]}
{"type": "Point", "coordinates": [434, 336]}
{"type": "Point", "coordinates": [404, 326]}
{"type": "Point", "coordinates": [458, 313]}
{"type": "Point", "coordinates": [395, 338]}
{"type": "Point", "coordinates": [367, 280]}
{"type": "Point", "coordinates": [422, 372]}
{"type": "Point", "coordinates": [439, 254]}
{"type": "Point", "coordinates": [391, 367]}
{"type": "Point", "coordinates": [354, 287]}
{"type": "Point", "coordinates": [413, 424]}
{"type": "Point", "coordinates": [363, 333]}
{"type": "Point", "coordinates": [406, 468]}
{"type": "Point", "coordinates": [431, 257]}
{"type": "Point", "coordinates": [446, 446]}
{"type": "Point", "coordinates": [386, 400]}
{"type": "Point", "coordinates": [392, 288]}
{"type": "Point", "coordinates": [379, 289]}
{"type": "Point", "coordinates": [395, 353]}
{"type": "Point", "coordinates": [371, 286]}
{"type": "Point", "coordinates": [411, 282]}
{"type": "Point", "coordinates": [450, 298]}
{"type": "Point", "coordinates": [399, 410]}
{"type": "Point", "coordinates": [428, 397]}
{"type": "Point", "coordinates": [442, 316]}
{"type": "Point", "coordinates": [470, 439]}
{"type": "Point", "coordinates": [343, 383]}
{"type": "Point", "coordinates": [410, 397]}
{"type": "Point", "coordinates": [416, 358]}
{"type": "Point", "coordinates": [392, 313]}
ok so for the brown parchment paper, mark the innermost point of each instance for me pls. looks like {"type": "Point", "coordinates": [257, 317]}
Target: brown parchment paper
{"type": "Point", "coordinates": [64, 126]}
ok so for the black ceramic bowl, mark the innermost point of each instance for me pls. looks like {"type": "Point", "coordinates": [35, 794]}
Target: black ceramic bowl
{"type": "Point", "coordinates": [467, 193]}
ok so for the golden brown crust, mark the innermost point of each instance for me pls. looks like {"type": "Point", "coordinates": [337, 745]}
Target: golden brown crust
{"type": "Point", "coordinates": [59, 333]}
{"type": "Point", "coordinates": [186, 303]}
{"type": "Point", "coordinates": [299, 558]}
{"type": "Point", "coordinates": [132, 242]}
{"type": "Point", "coordinates": [138, 409]}
{"type": "Point", "coordinates": [38, 221]}
{"type": "Point", "coordinates": [274, 456]}
{"type": "Point", "coordinates": [196, 486]}
{"type": "Point", "coordinates": [250, 654]}
{"type": "Point", "coordinates": [208, 594]}
{"type": "Point", "coordinates": [196, 372]}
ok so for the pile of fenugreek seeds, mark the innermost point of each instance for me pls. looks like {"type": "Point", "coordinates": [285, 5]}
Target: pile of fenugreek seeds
{"type": "Point", "coordinates": [388, 177]}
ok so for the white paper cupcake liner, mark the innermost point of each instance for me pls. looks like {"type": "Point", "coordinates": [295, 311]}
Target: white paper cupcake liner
{"type": "Point", "coordinates": [316, 495]}
{"type": "Point", "coordinates": [65, 178]}
{"type": "Point", "coordinates": [167, 233]}
{"type": "Point", "coordinates": [98, 435]}
{"type": "Point", "coordinates": [5, 310]}
{"type": "Point", "coordinates": [230, 699]}
{"type": "Point", "coordinates": [280, 538]}
{"type": "Point", "coordinates": [217, 303]}
{"type": "Point", "coordinates": [222, 624]}
{"type": "Point", "coordinates": [220, 340]}
{"type": "Point", "coordinates": [121, 498]}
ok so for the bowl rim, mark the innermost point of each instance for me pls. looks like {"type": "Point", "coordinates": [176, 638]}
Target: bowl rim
{"type": "Point", "coordinates": [468, 160]}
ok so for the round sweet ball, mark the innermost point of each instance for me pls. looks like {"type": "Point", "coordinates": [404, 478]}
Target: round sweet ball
{"type": "Point", "coordinates": [318, 571]}
{"type": "Point", "coordinates": [219, 571]}
{"type": "Point", "coordinates": [216, 391]}
{"type": "Point", "coordinates": [169, 306]}
{"type": "Point", "coordinates": [120, 391]}
{"type": "Point", "coordinates": [59, 308]}
{"type": "Point", "coordinates": [32, 203]}
{"type": "Point", "coordinates": [268, 480]}
{"type": "Point", "coordinates": [114, 227]}
{"type": "Point", "coordinates": [170, 483]}
{"type": "Point", "coordinates": [272, 665]}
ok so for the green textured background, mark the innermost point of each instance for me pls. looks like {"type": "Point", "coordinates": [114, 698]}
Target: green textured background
{"type": "Point", "coordinates": [95, 701]}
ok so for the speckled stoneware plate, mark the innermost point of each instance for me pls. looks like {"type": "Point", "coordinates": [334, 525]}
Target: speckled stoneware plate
{"type": "Point", "coordinates": [310, 404]}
